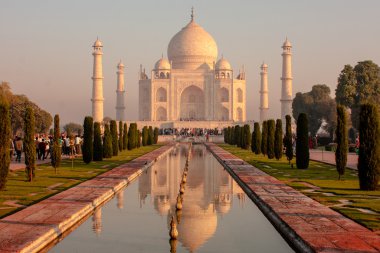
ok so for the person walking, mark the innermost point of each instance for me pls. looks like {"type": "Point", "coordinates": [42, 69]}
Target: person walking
{"type": "Point", "coordinates": [18, 147]}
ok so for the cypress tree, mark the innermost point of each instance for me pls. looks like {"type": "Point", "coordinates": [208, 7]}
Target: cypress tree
{"type": "Point", "coordinates": [107, 142]}
{"type": "Point", "coordinates": [247, 136]}
{"type": "Point", "coordinates": [341, 134]}
{"type": "Point", "coordinates": [270, 145]}
{"type": "Point", "coordinates": [257, 138]}
{"type": "Point", "coordinates": [237, 136]}
{"type": "Point", "coordinates": [228, 137]}
{"type": "Point", "coordinates": [369, 149]}
{"type": "Point", "coordinates": [29, 145]}
{"type": "Point", "coordinates": [288, 139]}
{"type": "Point", "coordinates": [5, 141]}
{"type": "Point", "coordinates": [98, 148]}
{"type": "Point", "coordinates": [144, 136]}
{"type": "Point", "coordinates": [302, 143]}
{"type": "Point", "coordinates": [278, 140]}
{"type": "Point", "coordinates": [264, 138]}
{"type": "Point", "coordinates": [115, 144]}
{"type": "Point", "coordinates": [56, 154]}
{"type": "Point", "coordinates": [138, 138]}
{"type": "Point", "coordinates": [132, 136]}
{"type": "Point", "coordinates": [88, 136]}
{"type": "Point", "coordinates": [225, 135]}
{"type": "Point", "coordinates": [253, 141]}
{"type": "Point", "coordinates": [120, 136]}
{"type": "Point", "coordinates": [125, 136]}
{"type": "Point", "coordinates": [155, 135]}
{"type": "Point", "coordinates": [232, 136]}
{"type": "Point", "coordinates": [150, 136]}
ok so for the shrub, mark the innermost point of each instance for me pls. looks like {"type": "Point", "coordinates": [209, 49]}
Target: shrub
{"type": "Point", "coordinates": [5, 141]}
{"type": "Point", "coordinates": [341, 134]}
{"type": "Point", "coordinates": [57, 149]}
{"type": "Point", "coordinates": [288, 140]}
{"type": "Point", "coordinates": [98, 148]}
{"type": "Point", "coordinates": [125, 136]}
{"type": "Point", "coordinates": [120, 136]}
{"type": "Point", "coordinates": [155, 135]}
{"type": "Point", "coordinates": [107, 142]}
{"type": "Point", "coordinates": [29, 145]}
{"type": "Point", "coordinates": [302, 144]}
{"type": "Point", "coordinates": [271, 130]}
{"type": "Point", "coordinates": [264, 138]}
{"type": "Point", "coordinates": [88, 136]}
{"type": "Point", "coordinates": [278, 140]}
{"type": "Point", "coordinates": [369, 149]}
{"type": "Point", "coordinates": [150, 136]}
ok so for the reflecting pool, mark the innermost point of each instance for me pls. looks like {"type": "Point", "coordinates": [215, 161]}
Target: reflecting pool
{"type": "Point", "coordinates": [216, 215]}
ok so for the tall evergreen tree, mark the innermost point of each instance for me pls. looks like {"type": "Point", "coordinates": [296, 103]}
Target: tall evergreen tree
{"type": "Point", "coordinates": [139, 135]}
{"type": "Point", "coordinates": [288, 140]}
{"type": "Point", "coordinates": [115, 144]}
{"type": "Point", "coordinates": [56, 154]}
{"type": "Point", "coordinates": [155, 135]}
{"type": "Point", "coordinates": [256, 139]}
{"type": "Point", "coordinates": [225, 139]}
{"type": "Point", "coordinates": [144, 136]}
{"type": "Point", "coordinates": [228, 135]}
{"type": "Point", "coordinates": [125, 136]}
{"type": "Point", "coordinates": [98, 147]}
{"type": "Point", "coordinates": [341, 134]}
{"type": "Point", "coordinates": [264, 138]}
{"type": "Point", "coordinates": [120, 136]}
{"type": "Point", "coordinates": [132, 136]}
{"type": "Point", "coordinates": [270, 145]}
{"type": "Point", "coordinates": [150, 136]}
{"type": "Point", "coordinates": [237, 135]}
{"type": "Point", "coordinates": [88, 136]}
{"type": "Point", "coordinates": [29, 145]}
{"type": "Point", "coordinates": [107, 142]}
{"type": "Point", "coordinates": [5, 142]}
{"type": "Point", "coordinates": [369, 150]}
{"type": "Point", "coordinates": [278, 140]}
{"type": "Point", "coordinates": [247, 136]}
{"type": "Point", "coordinates": [232, 136]}
{"type": "Point", "coordinates": [302, 144]}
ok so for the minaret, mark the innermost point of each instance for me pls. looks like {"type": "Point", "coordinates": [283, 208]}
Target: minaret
{"type": "Point", "coordinates": [264, 102]}
{"type": "Point", "coordinates": [97, 83]}
{"type": "Point", "coordinates": [287, 80]}
{"type": "Point", "coordinates": [120, 108]}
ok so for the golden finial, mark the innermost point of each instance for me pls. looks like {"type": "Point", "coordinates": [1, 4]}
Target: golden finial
{"type": "Point", "coordinates": [192, 13]}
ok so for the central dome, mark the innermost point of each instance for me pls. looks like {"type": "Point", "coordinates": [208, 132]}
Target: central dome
{"type": "Point", "coordinates": [192, 48]}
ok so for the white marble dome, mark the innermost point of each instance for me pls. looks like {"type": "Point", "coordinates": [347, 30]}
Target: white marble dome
{"type": "Point", "coordinates": [287, 43]}
{"type": "Point", "coordinates": [192, 48]}
{"type": "Point", "coordinates": [98, 43]}
{"type": "Point", "coordinates": [162, 64]}
{"type": "Point", "coordinates": [223, 64]}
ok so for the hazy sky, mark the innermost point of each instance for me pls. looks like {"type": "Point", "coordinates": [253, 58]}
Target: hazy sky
{"type": "Point", "coordinates": [45, 45]}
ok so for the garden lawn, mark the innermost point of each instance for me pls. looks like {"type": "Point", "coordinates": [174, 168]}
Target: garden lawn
{"type": "Point", "coordinates": [20, 193]}
{"type": "Point", "coordinates": [320, 182]}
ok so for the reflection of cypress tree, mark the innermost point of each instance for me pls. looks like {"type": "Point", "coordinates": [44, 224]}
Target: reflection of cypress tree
{"type": "Point", "coordinates": [115, 144]}
{"type": "Point", "coordinates": [288, 139]}
{"type": "Point", "coordinates": [5, 135]}
{"type": "Point", "coordinates": [270, 145]}
{"type": "Point", "coordinates": [125, 136]}
{"type": "Point", "coordinates": [278, 140]}
{"type": "Point", "coordinates": [88, 136]}
{"type": "Point", "coordinates": [120, 136]}
{"type": "Point", "coordinates": [264, 138]}
{"type": "Point", "coordinates": [29, 145]}
{"type": "Point", "coordinates": [107, 142]}
{"type": "Point", "coordinates": [369, 150]}
{"type": "Point", "coordinates": [98, 148]}
{"type": "Point", "coordinates": [302, 145]}
{"type": "Point", "coordinates": [155, 135]}
{"type": "Point", "coordinates": [56, 154]}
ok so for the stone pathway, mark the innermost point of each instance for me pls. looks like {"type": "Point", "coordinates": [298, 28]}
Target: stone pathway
{"type": "Point", "coordinates": [34, 227]}
{"type": "Point", "coordinates": [308, 225]}
{"type": "Point", "coordinates": [329, 158]}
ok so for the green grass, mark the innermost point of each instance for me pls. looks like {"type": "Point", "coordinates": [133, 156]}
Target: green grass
{"type": "Point", "coordinates": [27, 193]}
{"type": "Point", "coordinates": [325, 177]}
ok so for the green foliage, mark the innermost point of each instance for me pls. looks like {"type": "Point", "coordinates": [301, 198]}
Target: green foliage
{"type": "Point", "coordinates": [270, 140]}
{"type": "Point", "coordinates": [341, 134]}
{"type": "Point", "coordinates": [256, 139]}
{"type": "Point", "coordinates": [225, 135]}
{"type": "Point", "coordinates": [29, 145]}
{"type": "Point", "coordinates": [115, 144]}
{"type": "Point", "coordinates": [319, 107]}
{"type": "Point", "coordinates": [346, 88]}
{"type": "Point", "coordinates": [155, 135]}
{"type": "Point", "coordinates": [288, 139]}
{"type": "Point", "coordinates": [57, 149]}
{"type": "Point", "coordinates": [98, 147]}
{"type": "Point", "coordinates": [246, 137]}
{"type": "Point", "coordinates": [237, 136]}
{"type": "Point", "coordinates": [88, 136]}
{"type": "Point", "coordinates": [132, 138]}
{"type": "Point", "coordinates": [232, 136]}
{"type": "Point", "coordinates": [125, 136]}
{"type": "Point", "coordinates": [107, 142]}
{"type": "Point", "coordinates": [73, 128]}
{"type": "Point", "coordinates": [139, 135]}
{"type": "Point", "coordinates": [302, 143]}
{"type": "Point", "coordinates": [5, 141]}
{"type": "Point", "coordinates": [369, 150]}
{"type": "Point", "coordinates": [264, 138]}
{"type": "Point", "coordinates": [144, 136]}
{"type": "Point", "coordinates": [278, 140]}
{"type": "Point", "coordinates": [150, 136]}
{"type": "Point", "coordinates": [120, 136]}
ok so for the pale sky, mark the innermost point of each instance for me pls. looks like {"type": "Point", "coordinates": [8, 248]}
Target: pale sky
{"type": "Point", "coordinates": [45, 45]}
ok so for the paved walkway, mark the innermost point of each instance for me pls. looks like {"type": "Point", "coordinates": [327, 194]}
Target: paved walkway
{"type": "Point", "coordinates": [329, 157]}
{"type": "Point", "coordinates": [14, 166]}
{"type": "Point", "coordinates": [308, 225]}
{"type": "Point", "coordinates": [34, 227]}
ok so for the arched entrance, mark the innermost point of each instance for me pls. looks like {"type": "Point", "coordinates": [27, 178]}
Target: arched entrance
{"type": "Point", "coordinates": [223, 113]}
{"type": "Point", "coordinates": [192, 104]}
{"type": "Point", "coordinates": [239, 114]}
{"type": "Point", "coordinates": [161, 114]}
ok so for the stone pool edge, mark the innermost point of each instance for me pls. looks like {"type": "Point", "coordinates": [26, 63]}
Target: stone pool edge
{"type": "Point", "coordinates": [299, 234]}
{"type": "Point", "coordinates": [35, 227]}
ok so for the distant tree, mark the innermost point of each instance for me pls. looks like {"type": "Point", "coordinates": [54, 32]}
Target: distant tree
{"type": "Point", "coordinates": [107, 142]}
{"type": "Point", "coordinates": [155, 135]}
{"type": "Point", "coordinates": [132, 136]}
{"type": "Point", "coordinates": [225, 138]}
{"type": "Point", "coordinates": [29, 145]}
{"type": "Point", "coordinates": [98, 147]}
{"type": "Point", "coordinates": [341, 139]}
{"type": "Point", "coordinates": [247, 137]}
{"type": "Point", "coordinates": [115, 144]}
{"type": "Point", "coordinates": [232, 136]}
{"type": "Point", "coordinates": [57, 148]}
{"type": "Point", "coordinates": [270, 145]}
{"type": "Point", "coordinates": [88, 137]}
{"type": "Point", "coordinates": [120, 136]}
{"type": "Point", "coordinates": [256, 139]}
{"type": "Point", "coordinates": [288, 140]}
{"type": "Point", "coordinates": [139, 138]}
{"type": "Point", "coordinates": [5, 135]}
{"type": "Point", "coordinates": [369, 150]}
{"type": "Point", "coordinates": [278, 147]}
{"type": "Point", "coordinates": [264, 138]}
{"type": "Point", "coordinates": [237, 136]}
{"type": "Point", "coordinates": [144, 136]}
{"type": "Point", "coordinates": [73, 128]}
{"type": "Point", "coordinates": [150, 136]}
{"type": "Point", "coordinates": [302, 145]}
{"type": "Point", "coordinates": [125, 136]}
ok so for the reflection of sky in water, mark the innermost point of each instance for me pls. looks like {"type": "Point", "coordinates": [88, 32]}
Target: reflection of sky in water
{"type": "Point", "coordinates": [216, 216]}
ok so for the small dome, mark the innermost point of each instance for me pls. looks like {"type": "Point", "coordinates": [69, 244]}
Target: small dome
{"type": "Point", "coordinates": [120, 65]}
{"type": "Point", "coordinates": [264, 65]}
{"type": "Point", "coordinates": [287, 43]}
{"type": "Point", "coordinates": [162, 64]}
{"type": "Point", "coordinates": [98, 43]}
{"type": "Point", "coordinates": [223, 64]}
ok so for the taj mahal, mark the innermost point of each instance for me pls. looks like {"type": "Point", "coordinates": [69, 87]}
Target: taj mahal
{"type": "Point", "coordinates": [191, 85]}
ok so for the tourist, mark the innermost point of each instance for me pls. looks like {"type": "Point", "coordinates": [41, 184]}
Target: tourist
{"type": "Point", "coordinates": [67, 145]}
{"type": "Point", "coordinates": [72, 146]}
{"type": "Point", "coordinates": [41, 150]}
{"type": "Point", "coordinates": [18, 147]}
{"type": "Point", "coordinates": [77, 143]}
